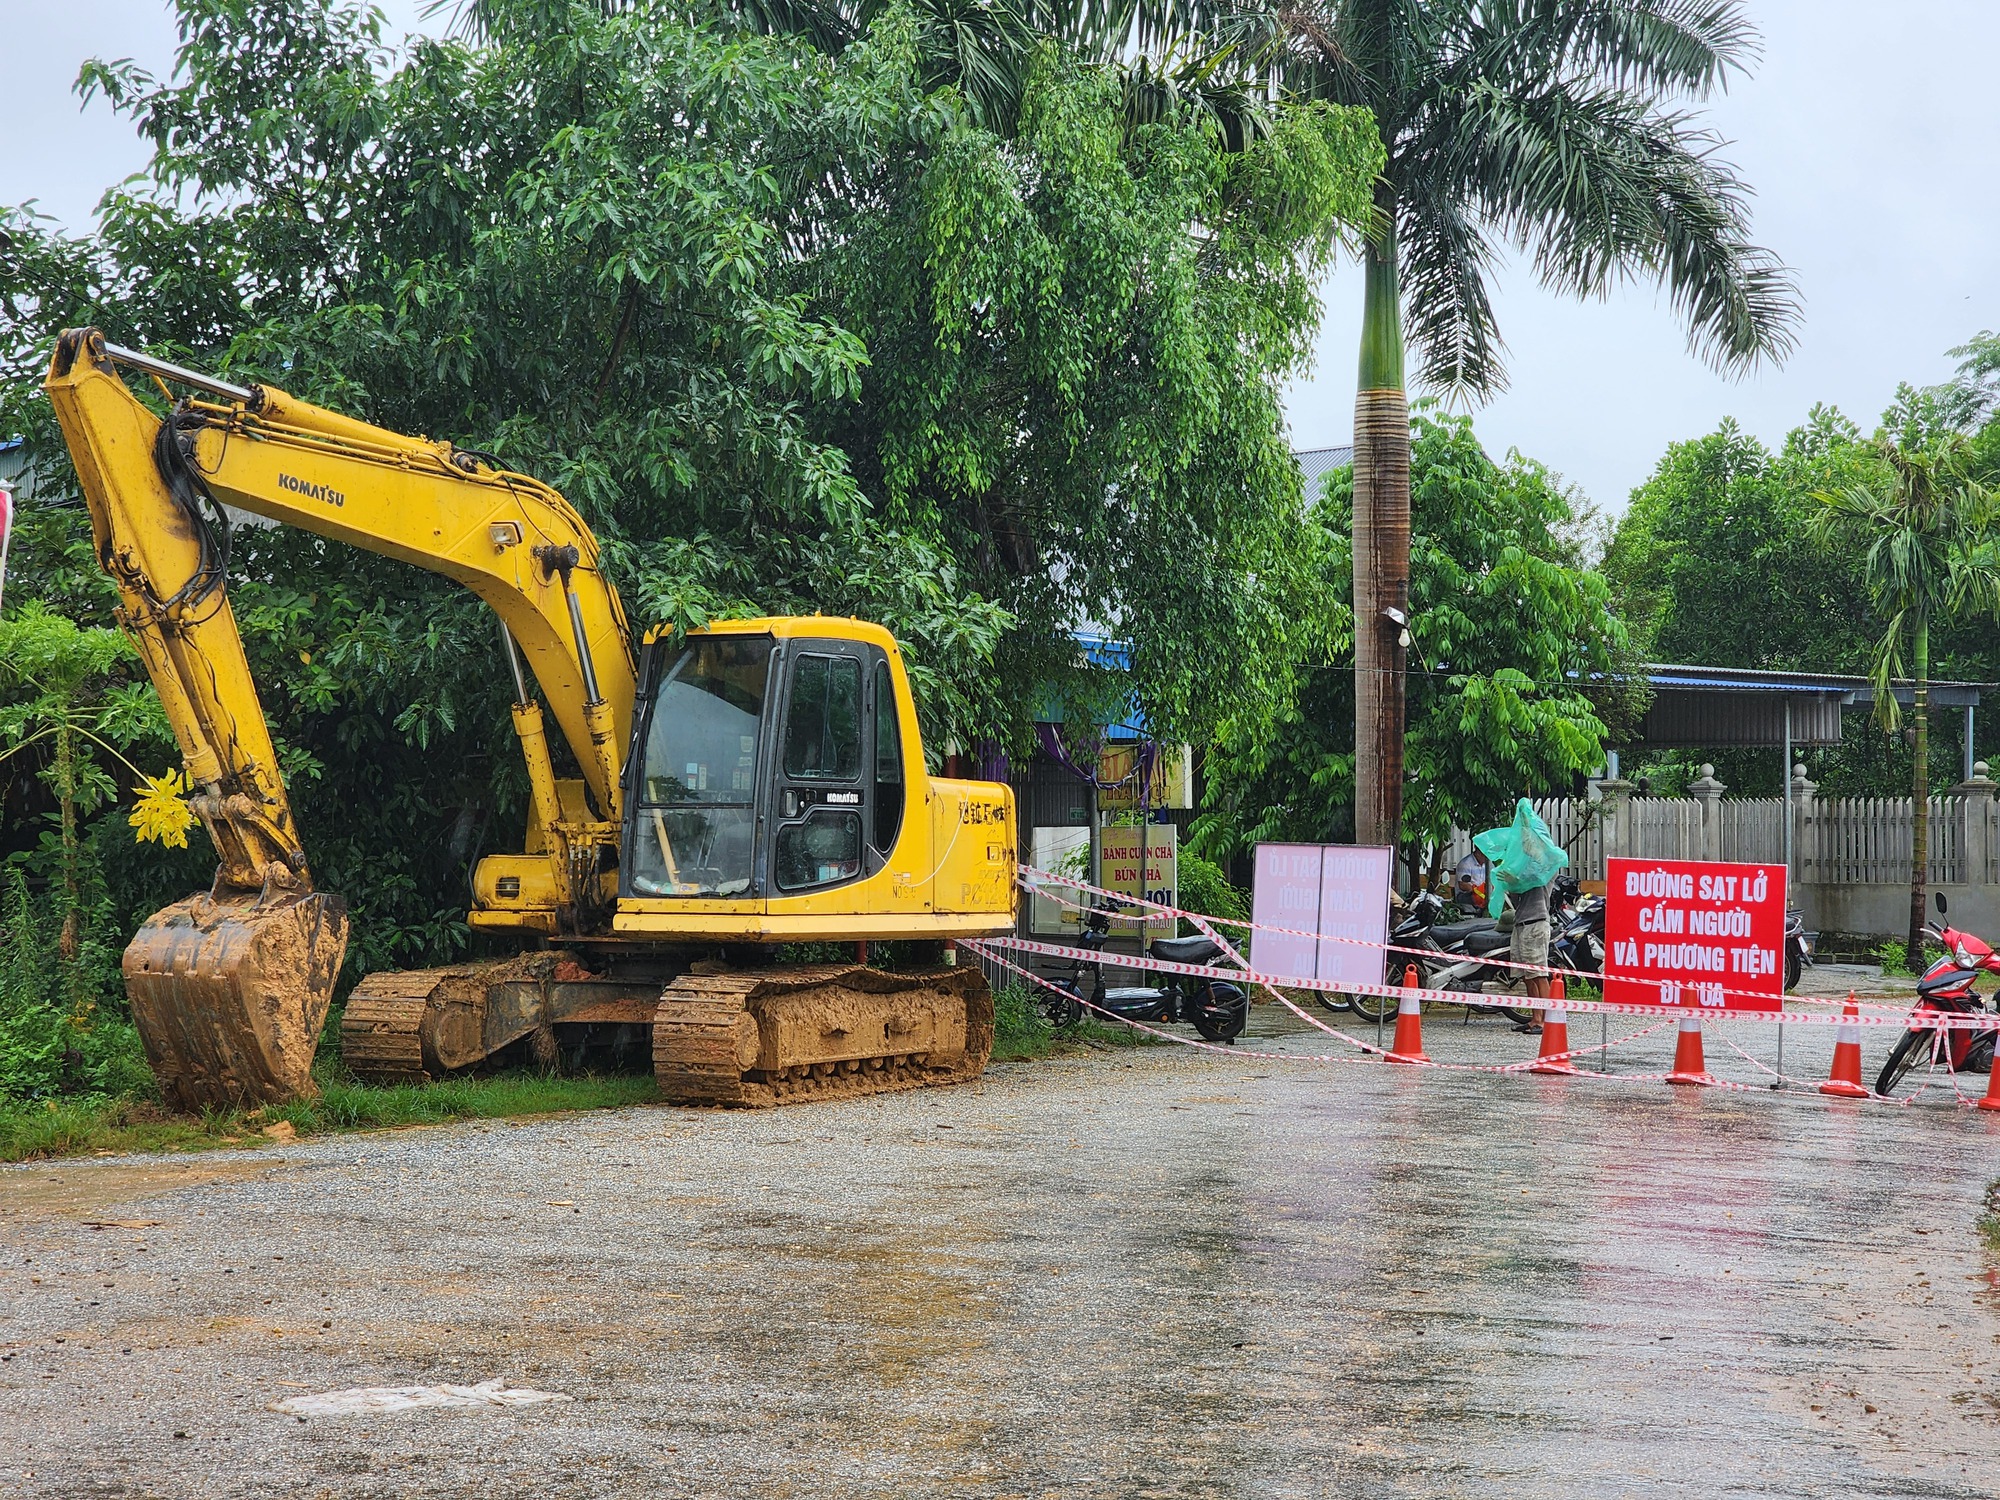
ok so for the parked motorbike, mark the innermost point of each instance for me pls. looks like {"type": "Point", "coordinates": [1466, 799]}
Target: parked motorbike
{"type": "Point", "coordinates": [1576, 930]}
{"type": "Point", "coordinates": [1217, 1009]}
{"type": "Point", "coordinates": [1462, 956]}
{"type": "Point", "coordinates": [1946, 990]}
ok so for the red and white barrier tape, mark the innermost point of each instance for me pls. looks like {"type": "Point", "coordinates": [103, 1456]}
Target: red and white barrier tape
{"type": "Point", "coordinates": [1883, 1015]}
{"type": "Point", "coordinates": [985, 949]}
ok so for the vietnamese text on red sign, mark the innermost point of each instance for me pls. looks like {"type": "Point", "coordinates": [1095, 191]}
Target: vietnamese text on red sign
{"type": "Point", "coordinates": [1685, 930]}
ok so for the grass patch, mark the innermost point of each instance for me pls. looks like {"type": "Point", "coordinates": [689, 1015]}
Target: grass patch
{"type": "Point", "coordinates": [1022, 1033]}
{"type": "Point", "coordinates": [79, 1126]}
{"type": "Point", "coordinates": [1989, 1222]}
{"type": "Point", "coordinates": [1891, 956]}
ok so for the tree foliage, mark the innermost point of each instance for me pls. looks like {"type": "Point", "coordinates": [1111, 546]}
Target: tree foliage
{"type": "Point", "coordinates": [796, 328]}
{"type": "Point", "coordinates": [1924, 532]}
{"type": "Point", "coordinates": [1717, 561]}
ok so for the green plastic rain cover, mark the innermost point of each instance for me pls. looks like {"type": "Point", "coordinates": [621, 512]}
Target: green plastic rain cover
{"type": "Point", "coordinates": [1524, 855]}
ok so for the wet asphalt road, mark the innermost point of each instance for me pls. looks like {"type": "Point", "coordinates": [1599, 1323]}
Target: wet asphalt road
{"type": "Point", "coordinates": [1153, 1273]}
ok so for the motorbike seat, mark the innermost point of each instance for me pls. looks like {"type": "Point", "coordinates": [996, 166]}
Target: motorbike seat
{"type": "Point", "coordinates": [1190, 950]}
{"type": "Point", "coordinates": [1452, 932]}
{"type": "Point", "coordinates": [1491, 941]}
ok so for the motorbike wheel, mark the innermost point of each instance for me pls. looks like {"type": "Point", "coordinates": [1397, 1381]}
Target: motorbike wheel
{"type": "Point", "coordinates": [1221, 1014]}
{"type": "Point", "coordinates": [1374, 1007]}
{"type": "Point", "coordinates": [1912, 1048]}
{"type": "Point", "coordinates": [1795, 965]}
{"type": "Point", "coordinates": [1520, 1015]}
{"type": "Point", "coordinates": [1327, 1000]}
{"type": "Point", "coordinates": [1063, 1007]}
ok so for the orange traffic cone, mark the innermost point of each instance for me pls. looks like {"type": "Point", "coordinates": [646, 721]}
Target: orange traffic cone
{"type": "Point", "coordinates": [1409, 1044]}
{"type": "Point", "coordinates": [1845, 1080]}
{"type": "Point", "coordinates": [1555, 1034]}
{"type": "Point", "coordinates": [1689, 1065]}
{"type": "Point", "coordinates": [1992, 1099]}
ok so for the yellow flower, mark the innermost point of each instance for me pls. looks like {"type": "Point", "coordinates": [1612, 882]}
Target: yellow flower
{"type": "Point", "coordinates": [160, 813]}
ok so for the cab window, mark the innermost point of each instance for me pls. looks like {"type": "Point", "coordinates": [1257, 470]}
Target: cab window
{"type": "Point", "coordinates": [824, 849]}
{"type": "Point", "coordinates": [888, 762]}
{"type": "Point", "coordinates": [823, 720]}
{"type": "Point", "coordinates": [698, 784]}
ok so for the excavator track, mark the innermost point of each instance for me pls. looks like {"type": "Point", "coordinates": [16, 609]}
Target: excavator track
{"type": "Point", "coordinates": [424, 1023]}
{"type": "Point", "coordinates": [766, 1037]}
{"type": "Point", "coordinates": [381, 1031]}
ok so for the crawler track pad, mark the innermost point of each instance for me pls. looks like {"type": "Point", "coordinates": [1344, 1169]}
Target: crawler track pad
{"type": "Point", "coordinates": [229, 995]}
{"type": "Point", "coordinates": [789, 1036]}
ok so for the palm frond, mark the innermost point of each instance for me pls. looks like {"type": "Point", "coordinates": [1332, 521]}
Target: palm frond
{"type": "Point", "coordinates": [1884, 668]}
{"type": "Point", "coordinates": [1203, 84]}
{"type": "Point", "coordinates": [1447, 311]}
{"type": "Point", "coordinates": [1598, 184]}
{"type": "Point", "coordinates": [1654, 47]}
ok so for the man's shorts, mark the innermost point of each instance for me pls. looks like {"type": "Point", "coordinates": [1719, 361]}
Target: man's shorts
{"type": "Point", "coordinates": [1530, 944]}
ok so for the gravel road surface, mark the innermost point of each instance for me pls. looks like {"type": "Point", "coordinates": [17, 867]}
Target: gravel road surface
{"type": "Point", "coordinates": [1148, 1273]}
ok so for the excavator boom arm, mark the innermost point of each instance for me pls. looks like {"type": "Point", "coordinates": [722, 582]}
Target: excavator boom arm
{"type": "Point", "coordinates": [230, 988]}
{"type": "Point", "coordinates": [513, 541]}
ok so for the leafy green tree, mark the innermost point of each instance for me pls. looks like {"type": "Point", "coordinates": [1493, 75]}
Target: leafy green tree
{"type": "Point", "coordinates": [1716, 561]}
{"type": "Point", "coordinates": [1087, 395]}
{"type": "Point", "coordinates": [73, 702]}
{"type": "Point", "coordinates": [1514, 640]}
{"type": "Point", "coordinates": [1931, 553]}
{"type": "Point", "coordinates": [793, 328]}
{"type": "Point", "coordinates": [74, 713]}
{"type": "Point", "coordinates": [1554, 127]}
{"type": "Point", "coordinates": [985, 51]}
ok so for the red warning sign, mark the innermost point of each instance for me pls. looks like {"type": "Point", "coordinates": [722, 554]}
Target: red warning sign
{"type": "Point", "coordinates": [1688, 933]}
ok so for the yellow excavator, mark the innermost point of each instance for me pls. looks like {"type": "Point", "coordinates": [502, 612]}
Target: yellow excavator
{"type": "Point", "coordinates": [754, 783]}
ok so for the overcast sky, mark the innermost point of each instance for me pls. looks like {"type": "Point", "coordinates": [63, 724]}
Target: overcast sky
{"type": "Point", "coordinates": [1869, 132]}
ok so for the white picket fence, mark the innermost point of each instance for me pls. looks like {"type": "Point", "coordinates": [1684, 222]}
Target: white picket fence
{"type": "Point", "coordinates": [1839, 841]}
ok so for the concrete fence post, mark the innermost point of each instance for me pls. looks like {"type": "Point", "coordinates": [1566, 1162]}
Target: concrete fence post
{"type": "Point", "coordinates": [1615, 814]}
{"type": "Point", "coordinates": [1707, 793]}
{"type": "Point", "coordinates": [1975, 838]}
{"type": "Point", "coordinates": [1805, 831]}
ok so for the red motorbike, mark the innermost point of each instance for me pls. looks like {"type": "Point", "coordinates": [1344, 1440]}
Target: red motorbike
{"type": "Point", "coordinates": [1946, 990]}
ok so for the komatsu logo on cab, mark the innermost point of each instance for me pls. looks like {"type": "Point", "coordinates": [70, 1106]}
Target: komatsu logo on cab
{"type": "Point", "coordinates": [322, 492]}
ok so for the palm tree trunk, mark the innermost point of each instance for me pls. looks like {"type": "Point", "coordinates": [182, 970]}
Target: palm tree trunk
{"type": "Point", "coordinates": [1381, 547]}
{"type": "Point", "coordinates": [1920, 794]}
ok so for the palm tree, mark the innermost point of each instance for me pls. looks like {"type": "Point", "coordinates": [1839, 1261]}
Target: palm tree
{"type": "Point", "coordinates": [1549, 126]}
{"type": "Point", "coordinates": [1931, 555]}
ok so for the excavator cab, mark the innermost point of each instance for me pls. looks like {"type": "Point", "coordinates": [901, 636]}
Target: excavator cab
{"type": "Point", "coordinates": [776, 789]}
{"type": "Point", "coordinates": [763, 767]}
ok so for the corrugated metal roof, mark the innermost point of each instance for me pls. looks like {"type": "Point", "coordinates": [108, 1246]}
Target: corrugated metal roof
{"type": "Point", "coordinates": [1669, 676]}
{"type": "Point", "coordinates": [1316, 463]}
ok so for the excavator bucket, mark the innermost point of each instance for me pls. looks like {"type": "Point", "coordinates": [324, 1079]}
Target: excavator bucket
{"type": "Point", "coordinates": [229, 994]}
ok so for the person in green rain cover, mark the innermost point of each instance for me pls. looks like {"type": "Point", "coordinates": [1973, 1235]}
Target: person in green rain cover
{"type": "Point", "coordinates": [1523, 859]}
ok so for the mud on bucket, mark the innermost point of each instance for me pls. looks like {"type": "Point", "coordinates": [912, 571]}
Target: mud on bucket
{"type": "Point", "coordinates": [229, 995]}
